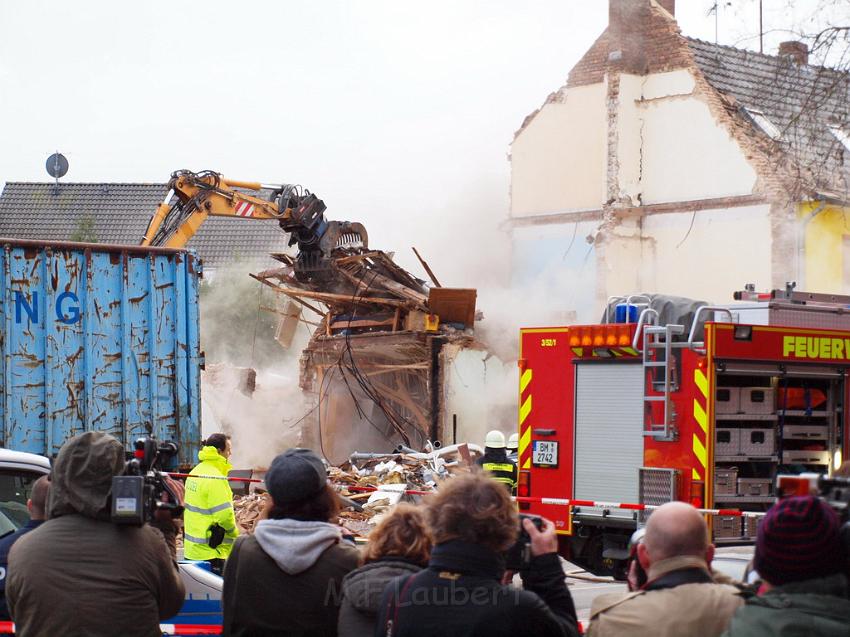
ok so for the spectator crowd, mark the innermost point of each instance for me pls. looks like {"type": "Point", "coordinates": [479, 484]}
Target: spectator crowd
{"type": "Point", "coordinates": [438, 568]}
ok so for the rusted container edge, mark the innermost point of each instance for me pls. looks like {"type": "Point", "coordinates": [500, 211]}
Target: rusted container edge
{"type": "Point", "coordinates": [101, 247]}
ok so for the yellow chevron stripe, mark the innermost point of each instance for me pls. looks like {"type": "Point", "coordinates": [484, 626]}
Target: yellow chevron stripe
{"type": "Point", "coordinates": [617, 353]}
{"type": "Point", "coordinates": [524, 441]}
{"type": "Point", "coordinates": [525, 409]}
{"type": "Point", "coordinates": [527, 464]}
{"type": "Point", "coordinates": [700, 453]}
{"type": "Point", "coordinates": [701, 382]}
{"type": "Point", "coordinates": [695, 474]}
{"type": "Point", "coordinates": [630, 351]}
{"type": "Point", "coordinates": [578, 351]}
{"type": "Point", "coordinates": [700, 417]}
{"type": "Point", "coordinates": [524, 380]}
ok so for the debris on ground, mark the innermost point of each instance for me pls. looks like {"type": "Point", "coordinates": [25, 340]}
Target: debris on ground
{"type": "Point", "coordinates": [248, 509]}
{"type": "Point", "coordinates": [371, 484]}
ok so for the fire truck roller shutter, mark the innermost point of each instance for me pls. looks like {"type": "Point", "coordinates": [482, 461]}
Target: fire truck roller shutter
{"type": "Point", "coordinates": [609, 432]}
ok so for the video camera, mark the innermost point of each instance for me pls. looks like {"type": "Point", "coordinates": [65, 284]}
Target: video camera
{"type": "Point", "coordinates": [138, 494]}
{"type": "Point", "coordinates": [518, 557]}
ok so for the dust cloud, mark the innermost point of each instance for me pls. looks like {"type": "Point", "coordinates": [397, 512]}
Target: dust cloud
{"type": "Point", "coordinates": [238, 326]}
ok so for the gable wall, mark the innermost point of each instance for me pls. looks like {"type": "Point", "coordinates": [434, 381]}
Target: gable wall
{"type": "Point", "coordinates": [558, 159]}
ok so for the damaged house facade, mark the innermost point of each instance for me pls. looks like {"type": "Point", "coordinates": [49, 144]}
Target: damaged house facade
{"type": "Point", "coordinates": [391, 360]}
{"type": "Point", "coordinates": [669, 164]}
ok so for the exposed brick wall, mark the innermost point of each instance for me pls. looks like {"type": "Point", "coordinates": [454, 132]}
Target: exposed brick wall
{"type": "Point", "coordinates": [640, 39]}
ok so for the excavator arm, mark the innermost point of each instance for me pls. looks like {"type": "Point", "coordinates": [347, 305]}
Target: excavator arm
{"type": "Point", "coordinates": [196, 196]}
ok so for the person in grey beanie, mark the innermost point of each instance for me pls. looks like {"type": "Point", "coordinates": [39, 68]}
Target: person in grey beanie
{"type": "Point", "coordinates": [286, 578]}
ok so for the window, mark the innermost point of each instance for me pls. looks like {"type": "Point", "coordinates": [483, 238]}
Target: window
{"type": "Point", "coordinates": [15, 488]}
{"type": "Point", "coordinates": [841, 135]}
{"type": "Point", "coordinates": [763, 123]}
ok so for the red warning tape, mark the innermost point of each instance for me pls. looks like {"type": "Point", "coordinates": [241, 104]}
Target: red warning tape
{"type": "Point", "coordinates": [188, 475]}
{"type": "Point", "coordinates": [633, 507]}
{"type": "Point", "coordinates": [407, 491]}
{"type": "Point", "coordinates": [554, 501]}
{"type": "Point", "coordinates": [173, 630]}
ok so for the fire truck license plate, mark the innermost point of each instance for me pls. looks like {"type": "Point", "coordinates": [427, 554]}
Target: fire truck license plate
{"type": "Point", "coordinates": [544, 453]}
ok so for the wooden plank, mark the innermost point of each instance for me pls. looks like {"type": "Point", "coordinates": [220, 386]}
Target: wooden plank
{"type": "Point", "coordinates": [327, 297]}
{"type": "Point", "coordinates": [427, 269]}
{"type": "Point", "coordinates": [344, 325]}
{"type": "Point", "coordinates": [399, 273]}
{"type": "Point", "coordinates": [368, 280]}
{"type": "Point", "coordinates": [356, 257]}
{"type": "Point", "coordinates": [453, 305]}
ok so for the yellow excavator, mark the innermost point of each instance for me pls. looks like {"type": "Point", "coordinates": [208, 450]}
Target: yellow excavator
{"type": "Point", "coordinates": [299, 212]}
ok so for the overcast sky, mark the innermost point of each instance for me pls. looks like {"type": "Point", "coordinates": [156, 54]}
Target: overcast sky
{"type": "Point", "coordinates": [398, 114]}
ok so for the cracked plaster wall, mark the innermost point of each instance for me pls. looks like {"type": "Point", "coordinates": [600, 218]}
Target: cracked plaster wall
{"type": "Point", "coordinates": [558, 160]}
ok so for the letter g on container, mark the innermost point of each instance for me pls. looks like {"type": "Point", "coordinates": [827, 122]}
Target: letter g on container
{"type": "Point", "coordinates": [73, 310]}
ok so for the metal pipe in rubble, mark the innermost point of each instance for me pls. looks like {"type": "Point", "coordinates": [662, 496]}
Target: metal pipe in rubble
{"type": "Point", "coordinates": [362, 455]}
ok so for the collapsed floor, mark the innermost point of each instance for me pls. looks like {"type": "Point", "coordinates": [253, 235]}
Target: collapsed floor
{"type": "Point", "coordinates": [376, 371]}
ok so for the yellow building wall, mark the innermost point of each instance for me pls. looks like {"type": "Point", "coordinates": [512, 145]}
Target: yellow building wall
{"type": "Point", "coordinates": [827, 248]}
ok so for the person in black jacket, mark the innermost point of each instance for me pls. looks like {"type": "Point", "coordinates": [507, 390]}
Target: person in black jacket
{"type": "Point", "coordinates": [496, 462]}
{"type": "Point", "coordinates": [473, 522]}
{"type": "Point", "coordinates": [37, 506]}
{"type": "Point", "coordinates": [399, 545]}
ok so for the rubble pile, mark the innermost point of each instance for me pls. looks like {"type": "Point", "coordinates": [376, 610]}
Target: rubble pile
{"type": "Point", "coordinates": [390, 479]}
{"type": "Point", "coordinates": [248, 509]}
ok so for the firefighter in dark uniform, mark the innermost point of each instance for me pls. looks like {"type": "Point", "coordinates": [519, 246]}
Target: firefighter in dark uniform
{"type": "Point", "coordinates": [495, 460]}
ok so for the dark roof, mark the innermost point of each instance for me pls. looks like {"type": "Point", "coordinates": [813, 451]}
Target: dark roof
{"type": "Point", "coordinates": [801, 100]}
{"type": "Point", "coordinates": [120, 213]}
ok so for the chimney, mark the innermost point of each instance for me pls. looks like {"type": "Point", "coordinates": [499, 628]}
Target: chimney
{"type": "Point", "coordinates": [795, 50]}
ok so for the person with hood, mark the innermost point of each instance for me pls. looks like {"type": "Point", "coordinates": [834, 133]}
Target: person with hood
{"type": "Point", "coordinates": [78, 574]}
{"type": "Point", "coordinates": [495, 460]}
{"type": "Point", "coordinates": [286, 577]}
{"type": "Point", "coordinates": [803, 565]}
{"type": "Point", "coordinates": [209, 520]}
{"type": "Point", "coordinates": [399, 545]}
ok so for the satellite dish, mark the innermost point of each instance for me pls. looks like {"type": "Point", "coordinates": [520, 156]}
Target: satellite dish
{"type": "Point", "coordinates": [57, 165]}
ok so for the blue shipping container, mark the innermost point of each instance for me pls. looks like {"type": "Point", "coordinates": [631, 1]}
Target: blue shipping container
{"type": "Point", "coordinates": [97, 337]}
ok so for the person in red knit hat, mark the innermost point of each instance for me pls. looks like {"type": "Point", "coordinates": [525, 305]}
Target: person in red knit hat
{"type": "Point", "coordinates": [802, 562]}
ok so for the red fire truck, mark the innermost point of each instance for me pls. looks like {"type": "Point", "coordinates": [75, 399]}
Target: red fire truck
{"type": "Point", "coordinates": [707, 407]}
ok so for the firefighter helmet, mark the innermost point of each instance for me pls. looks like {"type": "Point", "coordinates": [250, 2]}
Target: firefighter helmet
{"type": "Point", "coordinates": [495, 439]}
{"type": "Point", "coordinates": [513, 441]}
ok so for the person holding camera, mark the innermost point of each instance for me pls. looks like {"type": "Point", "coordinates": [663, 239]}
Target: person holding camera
{"type": "Point", "coordinates": [802, 561]}
{"type": "Point", "coordinates": [474, 523]}
{"type": "Point", "coordinates": [678, 595]}
{"type": "Point", "coordinates": [209, 520]}
{"type": "Point", "coordinates": [78, 573]}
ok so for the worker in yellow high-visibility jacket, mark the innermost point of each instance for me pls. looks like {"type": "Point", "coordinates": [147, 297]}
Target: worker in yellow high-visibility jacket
{"type": "Point", "coordinates": [209, 520]}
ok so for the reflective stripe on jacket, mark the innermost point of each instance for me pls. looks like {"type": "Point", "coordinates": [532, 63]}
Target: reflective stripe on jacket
{"type": "Point", "coordinates": [501, 469]}
{"type": "Point", "coordinates": [501, 472]}
{"type": "Point", "coordinates": [208, 502]}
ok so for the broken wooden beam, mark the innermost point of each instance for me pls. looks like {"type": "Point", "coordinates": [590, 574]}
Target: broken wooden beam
{"type": "Point", "coordinates": [329, 298]}
{"type": "Point", "coordinates": [427, 269]}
